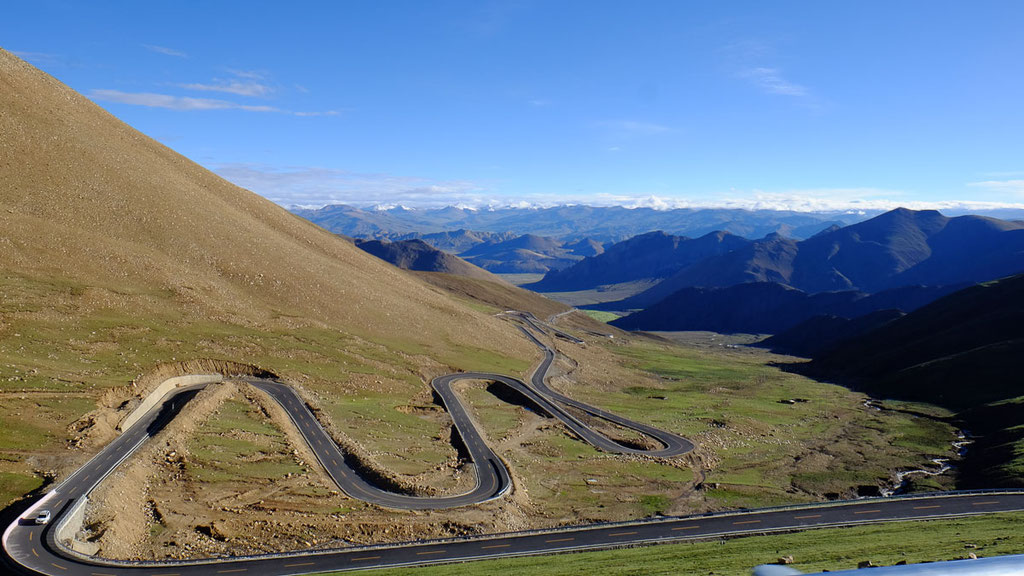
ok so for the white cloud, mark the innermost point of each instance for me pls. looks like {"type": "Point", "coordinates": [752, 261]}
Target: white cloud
{"type": "Point", "coordinates": [843, 200]}
{"type": "Point", "coordinates": [165, 51]}
{"type": "Point", "coordinates": [771, 81]}
{"type": "Point", "coordinates": [1014, 187]}
{"type": "Point", "coordinates": [817, 200]}
{"type": "Point", "coordinates": [186, 103]}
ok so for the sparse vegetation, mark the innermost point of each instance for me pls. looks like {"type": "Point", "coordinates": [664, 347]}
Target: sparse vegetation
{"type": "Point", "coordinates": [237, 444]}
{"type": "Point", "coordinates": [776, 437]}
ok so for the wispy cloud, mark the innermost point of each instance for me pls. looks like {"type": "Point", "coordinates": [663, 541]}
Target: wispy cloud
{"type": "Point", "coordinates": [165, 50]}
{"type": "Point", "coordinates": [315, 186]}
{"type": "Point", "coordinates": [1014, 187]}
{"type": "Point", "coordinates": [248, 74]}
{"type": "Point", "coordinates": [232, 87]}
{"type": "Point", "coordinates": [771, 81]}
{"type": "Point", "coordinates": [245, 83]}
{"type": "Point", "coordinates": [186, 103]}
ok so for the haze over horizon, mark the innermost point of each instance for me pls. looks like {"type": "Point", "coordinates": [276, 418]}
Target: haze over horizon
{"type": "Point", "coordinates": [807, 107]}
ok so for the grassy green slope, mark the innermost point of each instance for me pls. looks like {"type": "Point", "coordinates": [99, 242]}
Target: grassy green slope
{"type": "Point", "coordinates": [812, 551]}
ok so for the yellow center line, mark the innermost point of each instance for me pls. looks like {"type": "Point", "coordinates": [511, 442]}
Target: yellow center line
{"type": "Point", "coordinates": [553, 540]}
{"type": "Point", "coordinates": [101, 574]}
{"type": "Point", "coordinates": [747, 522]}
{"type": "Point", "coordinates": [298, 565]}
{"type": "Point", "coordinates": [622, 533]}
{"type": "Point", "coordinates": [34, 553]}
{"type": "Point", "coordinates": [866, 511]}
{"type": "Point", "coordinates": [231, 571]}
{"type": "Point", "coordinates": [365, 558]}
{"type": "Point", "coordinates": [424, 553]}
{"type": "Point", "coordinates": [55, 565]}
{"type": "Point", "coordinates": [984, 503]}
{"type": "Point", "coordinates": [927, 507]}
{"type": "Point", "coordinates": [807, 516]}
{"type": "Point", "coordinates": [685, 528]}
{"type": "Point", "coordinates": [495, 546]}
{"type": "Point", "coordinates": [30, 536]}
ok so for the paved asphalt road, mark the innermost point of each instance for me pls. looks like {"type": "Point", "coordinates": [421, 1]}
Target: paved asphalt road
{"type": "Point", "coordinates": [34, 549]}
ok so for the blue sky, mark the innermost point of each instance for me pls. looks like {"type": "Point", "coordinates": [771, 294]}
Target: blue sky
{"type": "Point", "coordinates": [804, 105]}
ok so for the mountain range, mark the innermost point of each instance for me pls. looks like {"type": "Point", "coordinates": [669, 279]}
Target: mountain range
{"type": "Point", "coordinates": [901, 259]}
{"type": "Point", "coordinates": [645, 257]}
{"type": "Point", "coordinates": [899, 248]}
{"type": "Point", "coordinates": [603, 224]}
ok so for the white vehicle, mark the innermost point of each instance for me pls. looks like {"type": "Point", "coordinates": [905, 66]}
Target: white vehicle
{"type": "Point", "coordinates": [43, 517]}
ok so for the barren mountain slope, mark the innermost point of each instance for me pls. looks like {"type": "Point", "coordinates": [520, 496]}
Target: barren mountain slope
{"type": "Point", "coordinates": [122, 262]}
{"type": "Point", "coordinates": [86, 198]}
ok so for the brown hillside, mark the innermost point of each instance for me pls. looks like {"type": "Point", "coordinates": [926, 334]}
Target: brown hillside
{"type": "Point", "coordinates": [86, 198]}
{"type": "Point", "coordinates": [498, 294]}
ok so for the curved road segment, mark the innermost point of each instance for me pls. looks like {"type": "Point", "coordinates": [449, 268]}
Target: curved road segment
{"type": "Point", "coordinates": [35, 549]}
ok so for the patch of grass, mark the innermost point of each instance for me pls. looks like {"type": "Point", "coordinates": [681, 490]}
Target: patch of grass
{"type": "Point", "coordinates": [812, 551]}
{"type": "Point", "coordinates": [520, 279]}
{"type": "Point", "coordinates": [497, 417]}
{"type": "Point", "coordinates": [654, 504]}
{"type": "Point", "coordinates": [16, 484]}
{"type": "Point", "coordinates": [238, 443]}
{"type": "Point", "coordinates": [31, 420]}
{"type": "Point", "coordinates": [602, 316]}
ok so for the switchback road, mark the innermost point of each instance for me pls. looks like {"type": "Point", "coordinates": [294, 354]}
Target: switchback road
{"type": "Point", "coordinates": [37, 549]}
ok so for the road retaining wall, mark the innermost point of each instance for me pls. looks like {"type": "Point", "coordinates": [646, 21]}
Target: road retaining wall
{"type": "Point", "coordinates": [165, 387]}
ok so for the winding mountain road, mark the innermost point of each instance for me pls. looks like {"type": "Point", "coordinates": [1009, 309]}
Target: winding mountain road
{"type": "Point", "coordinates": [39, 549]}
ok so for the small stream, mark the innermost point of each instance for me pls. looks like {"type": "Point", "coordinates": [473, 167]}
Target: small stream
{"type": "Point", "coordinates": [942, 465]}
